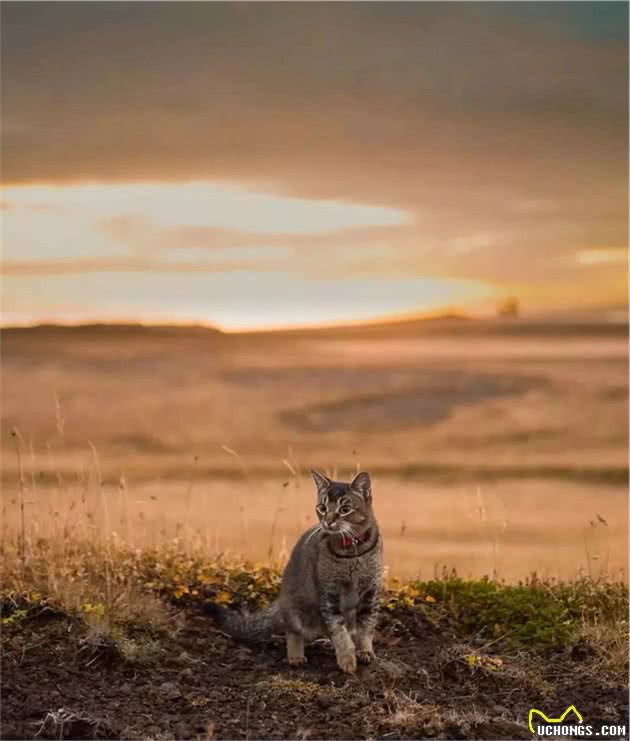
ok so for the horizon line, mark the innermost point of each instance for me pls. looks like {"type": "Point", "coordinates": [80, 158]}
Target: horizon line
{"type": "Point", "coordinates": [452, 313]}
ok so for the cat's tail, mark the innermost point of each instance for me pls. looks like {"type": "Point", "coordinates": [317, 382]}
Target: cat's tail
{"type": "Point", "coordinates": [247, 626]}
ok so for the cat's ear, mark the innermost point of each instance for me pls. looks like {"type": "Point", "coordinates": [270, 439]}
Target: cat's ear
{"type": "Point", "coordinates": [321, 482]}
{"type": "Point", "coordinates": [362, 485]}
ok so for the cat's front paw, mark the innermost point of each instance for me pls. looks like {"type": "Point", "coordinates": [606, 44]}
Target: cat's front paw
{"type": "Point", "coordinates": [347, 662]}
{"type": "Point", "coordinates": [366, 656]}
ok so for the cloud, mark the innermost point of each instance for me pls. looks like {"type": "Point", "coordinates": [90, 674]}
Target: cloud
{"type": "Point", "coordinates": [200, 221]}
{"type": "Point", "coordinates": [604, 256]}
{"type": "Point", "coordinates": [374, 99]}
{"type": "Point", "coordinates": [259, 256]}
{"type": "Point", "coordinates": [446, 108]}
{"type": "Point", "coordinates": [485, 141]}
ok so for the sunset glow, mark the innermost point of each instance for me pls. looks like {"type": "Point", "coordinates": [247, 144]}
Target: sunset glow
{"type": "Point", "coordinates": [375, 175]}
{"type": "Point", "coordinates": [227, 277]}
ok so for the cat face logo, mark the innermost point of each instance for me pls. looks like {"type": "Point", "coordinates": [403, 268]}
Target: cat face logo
{"type": "Point", "coordinates": [546, 719]}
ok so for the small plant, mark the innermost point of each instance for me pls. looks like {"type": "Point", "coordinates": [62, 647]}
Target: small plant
{"type": "Point", "coordinates": [546, 615]}
{"type": "Point", "coordinates": [15, 617]}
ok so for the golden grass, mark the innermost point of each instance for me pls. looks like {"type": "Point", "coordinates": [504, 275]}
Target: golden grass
{"type": "Point", "coordinates": [508, 529]}
{"type": "Point", "coordinates": [139, 440]}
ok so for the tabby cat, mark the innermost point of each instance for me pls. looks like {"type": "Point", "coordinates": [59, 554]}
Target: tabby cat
{"type": "Point", "coordinates": [331, 584]}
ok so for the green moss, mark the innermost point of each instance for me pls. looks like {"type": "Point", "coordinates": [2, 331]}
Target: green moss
{"type": "Point", "coordinates": [535, 613]}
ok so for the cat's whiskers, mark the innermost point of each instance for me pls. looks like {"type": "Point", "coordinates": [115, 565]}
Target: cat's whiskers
{"type": "Point", "coordinates": [317, 529]}
{"type": "Point", "coordinates": [346, 529]}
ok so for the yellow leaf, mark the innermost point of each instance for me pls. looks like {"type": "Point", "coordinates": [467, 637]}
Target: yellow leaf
{"type": "Point", "coordinates": [429, 598]}
{"type": "Point", "coordinates": [223, 598]}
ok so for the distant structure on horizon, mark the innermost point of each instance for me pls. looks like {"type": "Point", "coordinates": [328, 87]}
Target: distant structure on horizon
{"type": "Point", "coordinates": [508, 308]}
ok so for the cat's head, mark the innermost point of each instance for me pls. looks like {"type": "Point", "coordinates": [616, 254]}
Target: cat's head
{"type": "Point", "coordinates": [343, 507]}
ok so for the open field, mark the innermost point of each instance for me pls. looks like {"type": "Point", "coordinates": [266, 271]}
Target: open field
{"type": "Point", "coordinates": [494, 447]}
{"type": "Point", "coordinates": [145, 462]}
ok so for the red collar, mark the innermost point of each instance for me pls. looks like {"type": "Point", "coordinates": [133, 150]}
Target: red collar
{"type": "Point", "coordinates": [348, 541]}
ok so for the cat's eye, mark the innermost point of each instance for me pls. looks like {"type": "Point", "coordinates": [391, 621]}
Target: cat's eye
{"type": "Point", "coordinates": [321, 508]}
{"type": "Point", "coordinates": [345, 510]}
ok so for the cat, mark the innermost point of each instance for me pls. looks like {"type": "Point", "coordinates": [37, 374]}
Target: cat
{"type": "Point", "coordinates": [331, 584]}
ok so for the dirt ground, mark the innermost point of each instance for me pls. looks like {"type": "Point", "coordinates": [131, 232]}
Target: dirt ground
{"type": "Point", "coordinates": [198, 684]}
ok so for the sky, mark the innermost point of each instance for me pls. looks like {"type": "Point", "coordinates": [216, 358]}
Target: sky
{"type": "Point", "coordinates": [252, 165]}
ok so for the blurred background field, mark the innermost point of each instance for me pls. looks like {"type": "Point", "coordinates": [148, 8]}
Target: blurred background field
{"type": "Point", "coordinates": [412, 161]}
{"type": "Point", "coordinates": [495, 446]}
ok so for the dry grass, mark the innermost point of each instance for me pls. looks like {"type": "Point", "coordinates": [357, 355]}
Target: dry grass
{"type": "Point", "coordinates": [406, 714]}
{"type": "Point", "coordinates": [297, 689]}
{"type": "Point", "coordinates": [142, 438]}
{"type": "Point", "coordinates": [503, 528]}
{"type": "Point", "coordinates": [605, 648]}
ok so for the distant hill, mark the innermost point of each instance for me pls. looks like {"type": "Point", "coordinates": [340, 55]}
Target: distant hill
{"type": "Point", "coordinates": [114, 329]}
{"type": "Point", "coordinates": [454, 325]}
{"type": "Point", "coordinates": [609, 322]}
